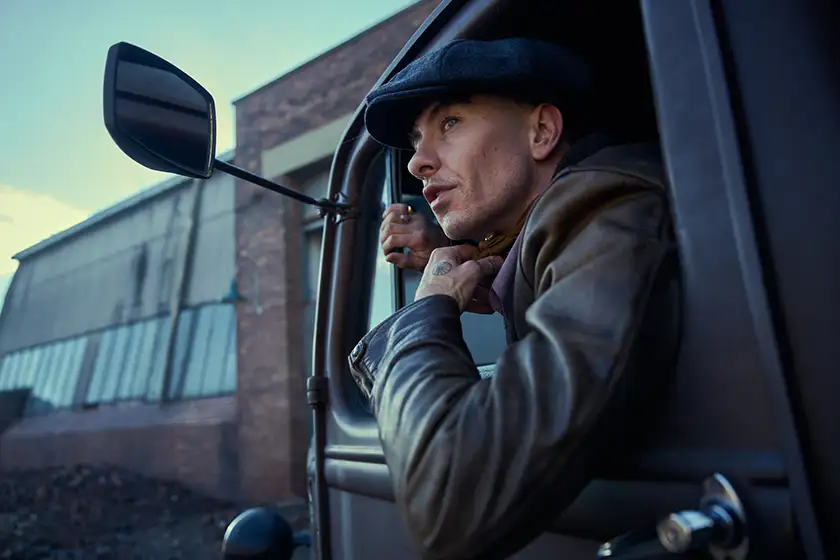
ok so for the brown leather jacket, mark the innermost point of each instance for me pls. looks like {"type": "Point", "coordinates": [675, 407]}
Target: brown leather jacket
{"type": "Point", "coordinates": [482, 466]}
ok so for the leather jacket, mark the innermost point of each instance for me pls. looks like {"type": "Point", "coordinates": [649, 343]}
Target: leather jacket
{"type": "Point", "coordinates": [481, 467]}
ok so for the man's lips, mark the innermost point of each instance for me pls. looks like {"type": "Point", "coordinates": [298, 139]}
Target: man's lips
{"type": "Point", "coordinates": [431, 192]}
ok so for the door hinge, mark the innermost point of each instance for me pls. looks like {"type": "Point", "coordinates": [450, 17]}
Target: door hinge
{"type": "Point", "coordinates": [317, 387]}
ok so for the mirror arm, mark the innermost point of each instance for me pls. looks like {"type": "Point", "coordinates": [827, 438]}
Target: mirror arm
{"type": "Point", "coordinates": [327, 206]}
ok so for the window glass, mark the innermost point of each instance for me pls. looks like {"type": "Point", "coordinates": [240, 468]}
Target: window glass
{"type": "Point", "coordinates": [63, 376]}
{"type": "Point", "coordinates": [382, 302]}
{"type": "Point", "coordinates": [12, 371]}
{"type": "Point", "coordinates": [24, 366]}
{"type": "Point", "coordinates": [144, 358]}
{"type": "Point", "coordinates": [6, 363]}
{"type": "Point", "coordinates": [155, 383]}
{"type": "Point", "coordinates": [229, 379]}
{"type": "Point", "coordinates": [76, 358]}
{"type": "Point", "coordinates": [27, 368]}
{"type": "Point", "coordinates": [115, 368]}
{"type": "Point", "coordinates": [6, 372]}
{"type": "Point", "coordinates": [316, 186]}
{"type": "Point", "coordinates": [100, 367]}
{"type": "Point", "coordinates": [25, 377]}
{"type": "Point", "coordinates": [484, 334]}
{"type": "Point", "coordinates": [183, 340]}
{"type": "Point", "coordinates": [198, 366]}
{"type": "Point", "coordinates": [46, 365]}
{"type": "Point", "coordinates": [132, 358]}
{"type": "Point", "coordinates": [223, 320]}
{"type": "Point", "coordinates": [50, 385]}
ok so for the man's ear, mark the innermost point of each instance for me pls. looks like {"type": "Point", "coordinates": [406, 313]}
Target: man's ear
{"type": "Point", "coordinates": [546, 131]}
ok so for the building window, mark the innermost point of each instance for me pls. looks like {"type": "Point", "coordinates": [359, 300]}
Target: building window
{"type": "Point", "coordinates": [382, 303]}
{"type": "Point", "coordinates": [204, 360]}
{"type": "Point", "coordinates": [51, 372]}
{"type": "Point", "coordinates": [129, 363]}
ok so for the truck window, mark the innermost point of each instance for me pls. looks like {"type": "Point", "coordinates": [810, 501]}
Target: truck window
{"type": "Point", "coordinates": [484, 334]}
{"type": "Point", "coordinates": [382, 302]}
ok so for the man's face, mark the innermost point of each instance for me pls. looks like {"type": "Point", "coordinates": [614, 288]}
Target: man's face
{"type": "Point", "coordinates": [476, 163]}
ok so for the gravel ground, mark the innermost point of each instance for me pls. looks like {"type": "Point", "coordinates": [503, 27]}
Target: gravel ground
{"type": "Point", "coordinates": [106, 512]}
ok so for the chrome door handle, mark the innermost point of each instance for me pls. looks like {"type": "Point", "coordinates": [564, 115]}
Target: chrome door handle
{"type": "Point", "coordinates": [719, 526]}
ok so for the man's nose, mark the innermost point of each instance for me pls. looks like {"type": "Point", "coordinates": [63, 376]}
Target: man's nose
{"type": "Point", "coordinates": [424, 163]}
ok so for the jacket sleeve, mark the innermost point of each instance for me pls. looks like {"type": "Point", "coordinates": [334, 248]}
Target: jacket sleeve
{"type": "Point", "coordinates": [482, 466]}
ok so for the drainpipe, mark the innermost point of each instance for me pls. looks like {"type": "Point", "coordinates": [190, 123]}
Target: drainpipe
{"type": "Point", "coordinates": [183, 272]}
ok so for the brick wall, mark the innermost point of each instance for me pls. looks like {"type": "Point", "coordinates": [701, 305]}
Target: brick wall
{"type": "Point", "coordinates": [273, 416]}
{"type": "Point", "coordinates": [192, 442]}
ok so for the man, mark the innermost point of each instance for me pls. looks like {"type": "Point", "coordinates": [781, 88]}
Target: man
{"type": "Point", "coordinates": [575, 237]}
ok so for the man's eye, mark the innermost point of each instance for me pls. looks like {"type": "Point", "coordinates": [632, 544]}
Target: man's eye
{"type": "Point", "coordinates": [449, 122]}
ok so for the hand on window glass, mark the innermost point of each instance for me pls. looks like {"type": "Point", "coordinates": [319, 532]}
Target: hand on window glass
{"type": "Point", "coordinates": [404, 229]}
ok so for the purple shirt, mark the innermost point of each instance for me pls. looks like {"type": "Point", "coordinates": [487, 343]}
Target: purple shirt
{"type": "Point", "coordinates": [503, 282]}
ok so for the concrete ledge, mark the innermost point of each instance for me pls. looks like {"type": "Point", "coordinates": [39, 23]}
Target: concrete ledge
{"type": "Point", "coordinates": [305, 149]}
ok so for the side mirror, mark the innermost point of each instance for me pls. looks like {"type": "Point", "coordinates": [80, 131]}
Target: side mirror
{"type": "Point", "coordinates": [157, 114]}
{"type": "Point", "coordinates": [261, 534]}
{"type": "Point", "coordinates": [164, 120]}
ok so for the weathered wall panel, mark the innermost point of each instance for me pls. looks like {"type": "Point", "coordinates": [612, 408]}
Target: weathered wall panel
{"type": "Point", "coordinates": [123, 270]}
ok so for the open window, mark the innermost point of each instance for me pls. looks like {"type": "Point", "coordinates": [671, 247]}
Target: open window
{"type": "Point", "coordinates": [484, 334]}
{"type": "Point", "coordinates": [629, 115]}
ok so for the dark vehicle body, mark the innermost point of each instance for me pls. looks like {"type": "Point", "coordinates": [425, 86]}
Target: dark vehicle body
{"type": "Point", "coordinates": [744, 99]}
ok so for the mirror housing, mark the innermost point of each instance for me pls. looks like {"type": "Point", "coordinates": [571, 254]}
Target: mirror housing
{"type": "Point", "coordinates": [157, 114]}
{"type": "Point", "coordinates": [165, 120]}
{"type": "Point", "coordinates": [261, 534]}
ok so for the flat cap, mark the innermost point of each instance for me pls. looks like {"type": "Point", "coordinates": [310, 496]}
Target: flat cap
{"type": "Point", "coordinates": [524, 69]}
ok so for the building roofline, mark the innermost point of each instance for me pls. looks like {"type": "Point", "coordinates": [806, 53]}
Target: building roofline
{"type": "Point", "coordinates": [110, 212]}
{"type": "Point", "coordinates": [336, 47]}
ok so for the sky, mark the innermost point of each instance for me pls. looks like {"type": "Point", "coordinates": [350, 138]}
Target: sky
{"type": "Point", "coordinates": [58, 165]}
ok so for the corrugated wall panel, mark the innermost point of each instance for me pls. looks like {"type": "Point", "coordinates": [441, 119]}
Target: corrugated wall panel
{"type": "Point", "coordinates": [87, 319]}
{"type": "Point", "coordinates": [123, 270]}
{"type": "Point", "coordinates": [214, 258]}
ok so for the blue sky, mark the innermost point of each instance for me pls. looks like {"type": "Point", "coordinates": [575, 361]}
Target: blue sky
{"type": "Point", "coordinates": [57, 163]}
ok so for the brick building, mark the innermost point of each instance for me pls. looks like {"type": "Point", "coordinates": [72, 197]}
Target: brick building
{"type": "Point", "coordinates": [164, 334]}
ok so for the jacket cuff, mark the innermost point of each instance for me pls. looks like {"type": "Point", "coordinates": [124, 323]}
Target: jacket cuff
{"type": "Point", "coordinates": [367, 355]}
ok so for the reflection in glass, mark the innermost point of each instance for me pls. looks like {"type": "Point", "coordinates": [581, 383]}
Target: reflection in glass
{"type": "Point", "coordinates": [145, 359]}
{"type": "Point", "coordinates": [198, 366]}
{"type": "Point", "coordinates": [229, 380]}
{"type": "Point", "coordinates": [179, 357]}
{"type": "Point", "coordinates": [61, 374]}
{"type": "Point", "coordinates": [116, 365]}
{"type": "Point", "coordinates": [155, 387]}
{"type": "Point", "coordinates": [382, 304]}
{"type": "Point", "coordinates": [75, 370]}
{"type": "Point", "coordinates": [223, 320]}
{"type": "Point", "coordinates": [484, 334]}
{"type": "Point", "coordinates": [165, 114]}
{"type": "Point", "coordinates": [100, 368]}
{"type": "Point", "coordinates": [5, 372]}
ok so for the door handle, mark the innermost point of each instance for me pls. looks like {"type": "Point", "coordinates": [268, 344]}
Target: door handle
{"type": "Point", "coordinates": [718, 526]}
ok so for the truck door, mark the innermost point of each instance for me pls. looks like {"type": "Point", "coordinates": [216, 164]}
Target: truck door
{"type": "Point", "coordinates": [734, 406]}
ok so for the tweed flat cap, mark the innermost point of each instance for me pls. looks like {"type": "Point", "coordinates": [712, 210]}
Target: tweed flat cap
{"type": "Point", "coordinates": [524, 69]}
